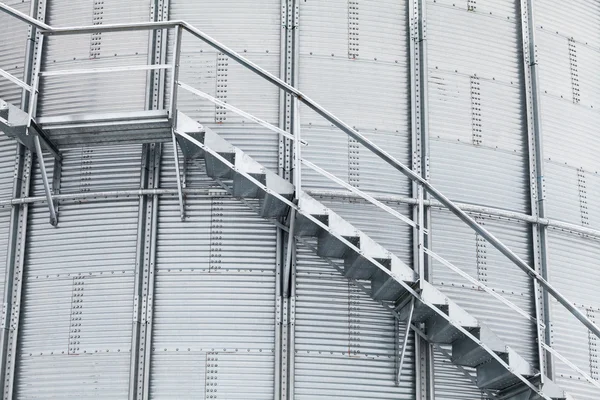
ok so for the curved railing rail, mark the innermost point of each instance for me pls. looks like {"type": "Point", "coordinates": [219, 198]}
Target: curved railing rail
{"type": "Point", "coordinates": [47, 30]}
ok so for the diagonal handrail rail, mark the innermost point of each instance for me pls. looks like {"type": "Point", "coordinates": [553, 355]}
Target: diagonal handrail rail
{"type": "Point", "coordinates": [45, 29]}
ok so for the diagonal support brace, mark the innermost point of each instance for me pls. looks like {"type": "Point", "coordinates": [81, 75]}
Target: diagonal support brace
{"type": "Point", "coordinates": [179, 184]}
{"type": "Point", "coordinates": [404, 342]}
{"type": "Point", "coordinates": [47, 189]}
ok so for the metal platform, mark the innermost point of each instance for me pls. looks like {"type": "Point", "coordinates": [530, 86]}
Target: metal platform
{"type": "Point", "coordinates": [114, 128]}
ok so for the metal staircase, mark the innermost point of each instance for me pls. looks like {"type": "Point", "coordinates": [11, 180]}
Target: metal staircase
{"type": "Point", "coordinates": [363, 258]}
{"type": "Point", "coordinates": [499, 368]}
{"type": "Point", "coordinates": [500, 371]}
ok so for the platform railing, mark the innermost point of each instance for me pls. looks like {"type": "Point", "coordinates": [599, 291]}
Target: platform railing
{"type": "Point", "coordinates": [299, 97]}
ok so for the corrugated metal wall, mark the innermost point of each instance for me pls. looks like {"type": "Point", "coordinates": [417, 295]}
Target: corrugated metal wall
{"type": "Point", "coordinates": [90, 93]}
{"type": "Point", "coordinates": [252, 29]}
{"type": "Point", "coordinates": [214, 305]}
{"type": "Point", "coordinates": [76, 318]}
{"type": "Point", "coordinates": [214, 298]}
{"type": "Point", "coordinates": [12, 52]}
{"type": "Point", "coordinates": [478, 154]}
{"type": "Point", "coordinates": [568, 45]}
{"type": "Point", "coordinates": [345, 342]}
{"type": "Point", "coordinates": [364, 61]}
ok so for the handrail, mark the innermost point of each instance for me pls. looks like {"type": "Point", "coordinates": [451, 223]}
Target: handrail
{"type": "Point", "coordinates": [15, 80]}
{"type": "Point", "coordinates": [409, 289]}
{"type": "Point", "coordinates": [388, 158]}
{"type": "Point", "coordinates": [574, 367]}
{"type": "Point", "coordinates": [362, 194]}
{"type": "Point", "coordinates": [428, 252]}
{"type": "Point", "coordinates": [241, 113]}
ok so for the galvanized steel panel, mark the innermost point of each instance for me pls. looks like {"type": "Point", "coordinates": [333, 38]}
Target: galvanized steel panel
{"type": "Point", "coordinates": [393, 234]}
{"type": "Point", "coordinates": [12, 52]}
{"type": "Point", "coordinates": [81, 274]}
{"type": "Point", "coordinates": [451, 383]}
{"type": "Point", "coordinates": [345, 341]}
{"type": "Point", "coordinates": [478, 150]}
{"type": "Point", "coordinates": [76, 316]}
{"type": "Point", "coordinates": [458, 244]}
{"type": "Point", "coordinates": [8, 151]}
{"type": "Point", "coordinates": [479, 175]}
{"type": "Point", "coordinates": [573, 340]}
{"type": "Point", "coordinates": [214, 301]}
{"type": "Point", "coordinates": [365, 62]}
{"type": "Point", "coordinates": [573, 267]}
{"type": "Point", "coordinates": [98, 92]}
{"type": "Point", "coordinates": [568, 39]}
{"type": "Point", "coordinates": [252, 29]}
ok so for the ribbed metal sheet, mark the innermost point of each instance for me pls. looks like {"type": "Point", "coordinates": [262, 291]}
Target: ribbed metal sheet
{"type": "Point", "coordinates": [568, 40]}
{"type": "Point", "coordinates": [12, 52]}
{"type": "Point", "coordinates": [214, 301]}
{"type": "Point", "coordinates": [476, 107]}
{"type": "Point", "coordinates": [458, 244]}
{"type": "Point", "coordinates": [450, 382]}
{"type": "Point", "coordinates": [252, 29]}
{"type": "Point", "coordinates": [195, 175]}
{"type": "Point", "coordinates": [572, 339]}
{"type": "Point", "coordinates": [76, 318]}
{"type": "Point", "coordinates": [368, 69]}
{"type": "Point", "coordinates": [393, 234]}
{"type": "Point", "coordinates": [578, 149]}
{"type": "Point", "coordinates": [345, 341]}
{"type": "Point", "coordinates": [98, 92]}
{"type": "Point", "coordinates": [572, 257]}
{"type": "Point", "coordinates": [577, 19]}
{"type": "Point", "coordinates": [101, 168]}
{"type": "Point", "coordinates": [8, 148]}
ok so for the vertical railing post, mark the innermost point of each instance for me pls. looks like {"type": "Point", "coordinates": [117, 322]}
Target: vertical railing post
{"type": "Point", "coordinates": [175, 75]}
{"type": "Point", "coordinates": [173, 113]}
{"type": "Point", "coordinates": [297, 145]}
{"type": "Point", "coordinates": [421, 236]}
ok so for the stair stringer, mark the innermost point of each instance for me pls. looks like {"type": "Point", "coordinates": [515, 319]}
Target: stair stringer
{"type": "Point", "coordinates": [499, 367]}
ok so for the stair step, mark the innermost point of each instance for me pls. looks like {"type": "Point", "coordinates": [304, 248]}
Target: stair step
{"type": "Point", "coordinates": [16, 124]}
{"type": "Point", "coordinates": [438, 329]}
{"type": "Point", "coordinates": [3, 109]}
{"type": "Point", "coordinates": [243, 166]}
{"type": "Point", "coordinates": [492, 375]}
{"type": "Point", "coordinates": [357, 266]}
{"type": "Point", "coordinates": [522, 392]}
{"type": "Point", "coordinates": [366, 259]}
{"type": "Point", "coordinates": [215, 168]}
{"type": "Point", "coordinates": [468, 353]}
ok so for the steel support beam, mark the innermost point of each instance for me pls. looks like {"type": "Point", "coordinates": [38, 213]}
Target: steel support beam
{"type": "Point", "coordinates": [14, 270]}
{"type": "Point", "coordinates": [148, 218]}
{"type": "Point", "coordinates": [136, 374]}
{"type": "Point", "coordinates": [289, 160]}
{"type": "Point", "coordinates": [144, 288]}
{"type": "Point", "coordinates": [403, 342]}
{"type": "Point", "coordinates": [537, 185]}
{"type": "Point", "coordinates": [149, 266]}
{"type": "Point", "coordinates": [15, 260]}
{"type": "Point", "coordinates": [420, 165]}
{"type": "Point", "coordinates": [178, 177]}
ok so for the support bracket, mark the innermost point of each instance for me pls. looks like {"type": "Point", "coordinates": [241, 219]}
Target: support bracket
{"type": "Point", "coordinates": [47, 188]}
{"type": "Point", "coordinates": [403, 342]}
{"type": "Point", "coordinates": [179, 183]}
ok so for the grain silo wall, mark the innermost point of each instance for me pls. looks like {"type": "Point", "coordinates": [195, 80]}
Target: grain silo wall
{"type": "Point", "coordinates": [456, 97]}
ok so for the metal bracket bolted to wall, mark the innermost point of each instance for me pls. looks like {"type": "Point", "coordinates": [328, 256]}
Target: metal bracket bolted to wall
{"type": "Point", "coordinates": [404, 342]}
